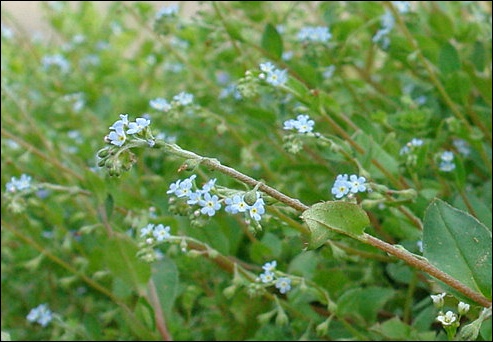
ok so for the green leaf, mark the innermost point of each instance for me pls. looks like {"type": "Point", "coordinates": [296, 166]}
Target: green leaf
{"type": "Point", "coordinates": [480, 206]}
{"type": "Point", "coordinates": [373, 150]}
{"type": "Point", "coordinates": [272, 41]}
{"type": "Point", "coordinates": [166, 282]}
{"type": "Point", "coordinates": [478, 56]}
{"type": "Point", "coordinates": [323, 219]}
{"type": "Point", "coordinates": [109, 205]}
{"type": "Point", "coordinates": [145, 313]}
{"type": "Point", "coordinates": [458, 85]}
{"type": "Point", "coordinates": [138, 327]}
{"type": "Point", "coordinates": [396, 330]}
{"type": "Point", "coordinates": [234, 31]}
{"type": "Point", "coordinates": [120, 257]}
{"type": "Point", "coordinates": [448, 59]}
{"type": "Point", "coordinates": [95, 183]}
{"type": "Point", "coordinates": [363, 304]}
{"type": "Point", "coordinates": [459, 245]}
{"type": "Point", "coordinates": [441, 24]}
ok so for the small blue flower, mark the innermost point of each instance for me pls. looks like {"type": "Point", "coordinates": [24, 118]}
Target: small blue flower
{"type": "Point", "coordinates": [329, 71]}
{"type": "Point", "coordinates": [117, 137]}
{"type": "Point", "coordinates": [410, 146]}
{"type": "Point", "coordinates": [167, 11]}
{"type": "Point", "coordinates": [303, 124]}
{"type": "Point", "coordinates": [462, 147]}
{"type": "Point", "coordinates": [277, 77]}
{"type": "Point", "coordinates": [120, 124]}
{"type": "Point", "coordinates": [267, 67]}
{"type": "Point", "coordinates": [283, 284]}
{"type": "Point", "coordinates": [267, 277]}
{"type": "Point", "coordinates": [257, 209]}
{"type": "Point", "coordinates": [147, 230]}
{"type": "Point", "coordinates": [138, 126]}
{"type": "Point", "coordinates": [387, 24]}
{"type": "Point", "coordinates": [318, 34]}
{"type": "Point", "coordinates": [194, 197]}
{"type": "Point", "coordinates": [236, 204]}
{"type": "Point", "coordinates": [24, 182]}
{"type": "Point", "coordinates": [446, 166]}
{"type": "Point", "coordinates": [56, 60]}
{"type": "Point", "coordinates": [340, 189]}
{"type": "Point", "coordinates": [160, 104]}
{"type": "Point", "coordinates": [183, 98]}
{"type": "Point", "coordinates": [270, 266]}
{"type": "Point", "coordinates": [161, 232]}
{"type": "Point", "coordinates": [345, 184]}
{"type": "Point", "coordinates": [287, 55]}
{"type": "Point", "coordinates": [447, 156]}
{"type": "Point", "coordinates": [208, 186]}
{"type": "Point", "coordinates": [447, 161]}
{"type": "Point", "coordinates": [41, 315]}
{"type": "Point", "coordinates": [181, 188]}
{"type": "Point", "coordinates": [357, 184]}
{"type": "Point", "coordinates": [210, 204]}
{"type": "Point", "coordinates": [402, 6]}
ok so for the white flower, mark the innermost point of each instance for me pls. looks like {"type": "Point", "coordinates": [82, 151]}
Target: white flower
{"type": "Point", "coordinates": [447, 319]}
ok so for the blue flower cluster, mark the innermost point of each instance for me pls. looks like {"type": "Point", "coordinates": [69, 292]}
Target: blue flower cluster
{"type": "Point", "coordinates": [210, 202]}
{"type": "Point", "coordinates": [23, 183]}
{"type": "Point", "coordinates": [152, 233]}
{"type": "Point", "coordinates": [411, 146]}
{"type": "Point", "coordinates": [180, 100]}
{"type": "Point", "coordinates": [269, 277]}
{"type": "Point", "coordinates": [122, 127]}
{"type": "Point", "coordinates": [303, 124]}
{"type": "Point", "coordinates": [317, 34]}
{"type": "Point", "coordinates": [41, 315]}
{"type": "Point", "coordinates": [447, 161]}
{"type": "Point", "coordinates": [345, 184]}
{"type": "Point", "coordinates": [272, 75]}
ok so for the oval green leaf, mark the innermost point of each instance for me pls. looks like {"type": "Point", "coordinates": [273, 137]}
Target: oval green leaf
{"type": "Point", "coordinates": [459, 245]}
{"type": "Point", "coordinates": [272, 41]}
{"type": "Point", "coordinates": [448, 59]}
{"type": "Point", "coordinates": [325, 219]}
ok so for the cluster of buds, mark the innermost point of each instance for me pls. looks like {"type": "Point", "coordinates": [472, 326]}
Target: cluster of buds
{"type": "Point", "coordinates": [124, 135]}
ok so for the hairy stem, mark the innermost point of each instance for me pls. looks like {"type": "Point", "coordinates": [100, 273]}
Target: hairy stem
{"type": "Point", "coordinates": [414, 261]}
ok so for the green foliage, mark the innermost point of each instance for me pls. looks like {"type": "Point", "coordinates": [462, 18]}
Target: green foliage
{"type": "Point", "coordinates": [367, 137]}
{"type": "Point", "coordinates": [329, 219]}
{"type": "Point", "coordinates": [470, 260]}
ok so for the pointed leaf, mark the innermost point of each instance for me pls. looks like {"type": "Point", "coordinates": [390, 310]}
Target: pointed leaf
{"type": "Point", "coordinates": [165, 277]}
{"type": "Point", "coordinates": [120, 257]}
{"type": "Point", "coordinates": [448, 59]}
{"type": "Point", "coordinates": [459, 245]}
{"type": "Point", "coordinates": [363, 304]}
{"type": "Point", "coordinates": [325, 219]}
{"type": "Point", "coordinates": [272, 41]}
{"type": "Point", "coordinates": [109, 205]}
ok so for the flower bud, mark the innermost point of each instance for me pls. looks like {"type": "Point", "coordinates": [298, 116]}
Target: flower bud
{"type": "Point", "coordinates": [251, 197]}
{"type": "Point", "coordinates": [265, 317]}
{"type": "Point", "coordinates": [103, 153]}
{"type": "Point", "coordinates": [463, 308]}
{"type": "Point", "coordinates": [229, 291]}
{"type": "Point", "coordinates": [322, 328]}
{"type": "Point", "coordinates": [281, 318]}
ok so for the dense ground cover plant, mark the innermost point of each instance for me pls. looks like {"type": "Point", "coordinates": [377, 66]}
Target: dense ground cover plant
{"type": "Point", "coordinates": [257, 171]}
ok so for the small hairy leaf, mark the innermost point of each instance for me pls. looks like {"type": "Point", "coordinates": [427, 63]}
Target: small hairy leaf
{"type": "Point", "coordinates": [323, 219]}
